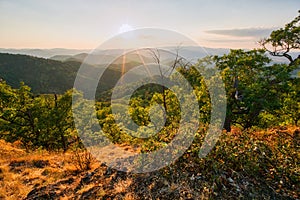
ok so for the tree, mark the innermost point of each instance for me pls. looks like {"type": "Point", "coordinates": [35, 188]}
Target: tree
{"type": "Point", "coordinates": [282, 41]}
{"type": "Point", "coordinates": [19, 114]}
{"type": "Point", "coordinates": [252, 85]}
{"type": "Point", "coordinates": [290, 109]}
{"type": "Point", "coordinates": [177, 61]}
{"type": "Point", "coordinates": [61, 119]}
{"type": "Point", "coordinates": [37, 121]}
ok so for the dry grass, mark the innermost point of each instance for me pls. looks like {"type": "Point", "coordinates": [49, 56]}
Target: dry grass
{"type": "Point", "coordinates": [20, 171]}
{"type": "Point", "coordinates": [130, 196]}
{"type": "Point", "coordinates": [122, 186]}
{"type": "Point", "coordinates": [85, 188]}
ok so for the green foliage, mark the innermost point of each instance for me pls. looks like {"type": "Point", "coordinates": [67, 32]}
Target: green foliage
{"type": "Point", "coordinates": [200, 90]}
{"type": "Point", "coordinates": [284, 40]}
{"type": "Point", "coordinates": [290, 109]}
{"type": "Point", "coordinates": [253, 85]}
{"type": "Point", "coordinates": [267, 159]}
{"type": "Point", "coordinates": [36, 121]}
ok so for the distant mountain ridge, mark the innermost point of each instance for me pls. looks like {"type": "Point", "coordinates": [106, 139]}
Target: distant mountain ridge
{"type": "Point", "coordinates": [44, 53]}
{"type": "Point", "coordinates": [61, 54]}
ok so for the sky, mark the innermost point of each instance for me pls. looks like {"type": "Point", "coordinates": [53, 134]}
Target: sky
{"type": "Point", "coordinates": [85, 24]}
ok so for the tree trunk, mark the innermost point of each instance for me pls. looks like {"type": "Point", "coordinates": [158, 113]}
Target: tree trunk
{"type": "Point", "coordinates": [63, 141]}
{"type": "Point", "coordinates": [227, 124]}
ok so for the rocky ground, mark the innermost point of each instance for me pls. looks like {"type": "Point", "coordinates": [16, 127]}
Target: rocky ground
{"type": "Point", "coordinates": [105, 183]}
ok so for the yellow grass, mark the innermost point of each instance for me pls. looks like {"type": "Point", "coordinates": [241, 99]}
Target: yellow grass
{"type": "Point", "coordinates": [18, 181]}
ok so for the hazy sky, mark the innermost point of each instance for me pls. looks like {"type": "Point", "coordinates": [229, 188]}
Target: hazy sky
{"type": "Point", "coordinates": [87, 23]}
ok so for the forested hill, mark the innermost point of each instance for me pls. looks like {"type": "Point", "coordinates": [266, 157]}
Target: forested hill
{"type": "Point", "coordinates": [46, 75]}
{"type": "Point", "coordinates": [42, 75]}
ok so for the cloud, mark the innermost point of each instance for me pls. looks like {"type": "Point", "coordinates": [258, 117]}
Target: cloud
{"type": "Point", "coordinates": [227, 40]}
{"type": "Point", "coordinates": [244, 32]}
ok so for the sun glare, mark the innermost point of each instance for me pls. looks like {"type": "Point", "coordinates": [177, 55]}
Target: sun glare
{"type": "Point", "coordinates": [125, 28]}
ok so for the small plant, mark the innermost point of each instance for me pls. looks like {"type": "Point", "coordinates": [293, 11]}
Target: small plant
{"type": "Point", "coordinates": [82, 159]}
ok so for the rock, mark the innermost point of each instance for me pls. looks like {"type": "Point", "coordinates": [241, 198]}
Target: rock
{"type": "Point", "coordinates": [52, 191]}
{"type": "Point", "coordinates": [43, 193]}
{"type": "Point", "coordinates": [230, 180]}
{"type": "Point", "coordinates": [40, 163]}
{"type": "Point", "coordinates": [16, 163]}
{"type": "Point", "coordinates": [90, 194]}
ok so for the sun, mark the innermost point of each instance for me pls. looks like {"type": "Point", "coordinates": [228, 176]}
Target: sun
{"type": "Point", "coordinates": [125, 28]}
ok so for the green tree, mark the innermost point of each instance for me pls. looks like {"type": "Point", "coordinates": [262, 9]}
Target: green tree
{"type": "Point", "coordinates": [19, 114]}
{"type": "Point", "coordinates": [284, 40]}
{"type": "Point", "coordinates": [37, 121]}
{"type": "Point", "coordinates": [281, 43]}
{"type": "Point", "coordinates": [61, 120]}
{"type": "Point", "coordinates": [253, 85]}
{"type": "Point", "coordinates": [290, 109]}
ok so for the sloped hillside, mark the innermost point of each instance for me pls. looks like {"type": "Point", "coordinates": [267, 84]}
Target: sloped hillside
{"type": "Point", "coordinates": [46, 76]}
